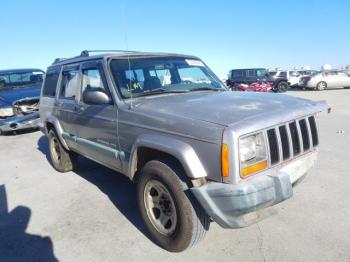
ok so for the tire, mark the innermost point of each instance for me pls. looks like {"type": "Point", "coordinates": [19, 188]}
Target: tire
{"type": "Point", "coordinates": [162, 195]}
{"type": "Point", "coordinates": [282, 87]}
{"type": "Point", "coordinates": [61, 159]}
{"type": "Point", "coordinates": [321, 86]}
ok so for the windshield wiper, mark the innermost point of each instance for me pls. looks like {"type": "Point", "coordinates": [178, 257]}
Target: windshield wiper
{"type": "Point", "coordinates": [159, 91]}
{"type": "Point", "coordinates": [206, 89]}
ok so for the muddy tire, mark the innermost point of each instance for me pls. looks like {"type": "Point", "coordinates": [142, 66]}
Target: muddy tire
{"type": "Point", "coordinates": [172, 216]}
{"type": "Point", "coordinates": [61, 159]}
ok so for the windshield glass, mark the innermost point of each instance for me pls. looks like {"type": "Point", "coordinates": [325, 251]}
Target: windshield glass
{"type": "Point", "coordinates": [21, 78]}
{"type": "Point", "coordinates": [144, 76]}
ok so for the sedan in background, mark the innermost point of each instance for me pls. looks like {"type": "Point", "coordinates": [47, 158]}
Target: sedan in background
{"type": "Point", "coordinates": [326, 79]}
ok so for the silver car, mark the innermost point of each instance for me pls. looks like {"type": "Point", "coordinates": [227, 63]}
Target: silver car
{"type": "Point", "coordinates": [195, 151]}
{"type": "Point", "coordinates": [326, 79]}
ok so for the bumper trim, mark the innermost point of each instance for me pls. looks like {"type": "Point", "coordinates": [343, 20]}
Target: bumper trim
{"type": "Point", "coordinates": [240, 205]}
{"type": "Point", "coordinates": [20, 122]}
{"type": "Point", "coordinates": [228, 205]}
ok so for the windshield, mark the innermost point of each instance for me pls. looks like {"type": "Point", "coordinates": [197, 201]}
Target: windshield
{"type": "Point", "coordinates": [22, 78]}
{"type": "Point", "coordinates": [145, 76]}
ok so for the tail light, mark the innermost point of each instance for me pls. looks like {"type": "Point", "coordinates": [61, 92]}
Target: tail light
{"type": "Point", "coordinates": [308, 78]}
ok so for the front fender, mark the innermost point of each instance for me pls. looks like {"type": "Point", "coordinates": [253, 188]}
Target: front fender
{"type": "Point", "coordinates": [177, 148]}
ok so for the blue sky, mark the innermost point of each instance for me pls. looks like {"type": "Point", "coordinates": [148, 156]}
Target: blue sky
{"type": "Point", "coordinates": [225, 34]}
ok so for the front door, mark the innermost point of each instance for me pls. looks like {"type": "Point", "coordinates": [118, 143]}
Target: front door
{"type": "Point", "coordinates": [97, 123]}
{"type": "Point", "coordinates": [67, 101]}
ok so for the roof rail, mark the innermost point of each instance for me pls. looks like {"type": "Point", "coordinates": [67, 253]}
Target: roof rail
{"type": "Point", "coordinates": [87, 52]}
{"type": "Point", "coordinates": [57, 60]}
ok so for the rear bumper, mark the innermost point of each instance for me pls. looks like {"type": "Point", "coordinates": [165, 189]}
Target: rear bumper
{"type": "Point", "coordinates": [236, 206]}
{"type": "Point", "coordinates": [20, 122]}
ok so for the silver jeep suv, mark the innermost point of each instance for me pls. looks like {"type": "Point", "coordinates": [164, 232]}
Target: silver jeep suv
{"type": "Point", "coordinates": [196, 151]}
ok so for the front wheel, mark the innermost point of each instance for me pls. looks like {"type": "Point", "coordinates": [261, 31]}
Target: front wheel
{"type": "Point", "coordinates": [62, 159]}
{"type": "Point", "coordinates": [172, 216]}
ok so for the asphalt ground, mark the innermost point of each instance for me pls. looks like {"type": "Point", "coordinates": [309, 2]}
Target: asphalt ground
{"type": "Point", "coordinates": [91, 214]}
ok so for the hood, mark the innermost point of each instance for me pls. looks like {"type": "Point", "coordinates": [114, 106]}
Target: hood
{"type": "Point", "coordinates": [221, 108]}
{"type": "Point", "coordinates": [8, 96]}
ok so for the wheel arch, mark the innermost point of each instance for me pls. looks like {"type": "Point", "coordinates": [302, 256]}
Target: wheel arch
{"type": "Point", "coordinates": [148, 147]}
{"type": "Point", "coordinates": [53, 123]}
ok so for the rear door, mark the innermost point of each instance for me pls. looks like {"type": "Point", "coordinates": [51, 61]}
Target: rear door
{"type": "Point", "coordinates": [97, 123]}
{"type": "Point", "coordinates": [67, 101]}
{"type": "Point", "coordinates": [251, 75]}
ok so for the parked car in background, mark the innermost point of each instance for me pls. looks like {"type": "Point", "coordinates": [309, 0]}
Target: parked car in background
{"type": "Point", "coordinates": [252, 75]}
{"type": "Point", "coordinates": [326, 79]}
{"type": "Point", "coordinates": [196, 151]}
{"type": "Point", "coordinates": [19, 99]}
{"type": "Point", "coordinates": [293, 77]}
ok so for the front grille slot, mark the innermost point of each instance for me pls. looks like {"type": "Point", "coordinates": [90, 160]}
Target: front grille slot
{"type": "Point", "coordinates": [291, 139]}
{"type": "Point", "coordinates": [313, 128]}
{"type": "Point", "coordinates": [284, 142]}
{"type": "Point", "coordinates": [273, 144]}
{"type": "Point", "coordinates": [295, 138]}
{"type": "Point", "coordinates": [304, 134]}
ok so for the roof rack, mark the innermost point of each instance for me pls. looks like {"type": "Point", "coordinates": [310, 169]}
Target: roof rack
{"type": "Point", "coordinates": [87, 52]}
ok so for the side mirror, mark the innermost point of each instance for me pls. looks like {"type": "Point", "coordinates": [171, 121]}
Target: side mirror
{"type": "Point", "coordinates": [96, 97]}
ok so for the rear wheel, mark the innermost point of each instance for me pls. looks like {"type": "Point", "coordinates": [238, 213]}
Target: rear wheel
{"type": "Point", "coordinates": [282, 86]}
{"type": "Point", "coordinates": [172, 216]}
{"type": "Point", "coordinates": [62, 159]}
{"type": "Point", "coordinates": [321, 86]}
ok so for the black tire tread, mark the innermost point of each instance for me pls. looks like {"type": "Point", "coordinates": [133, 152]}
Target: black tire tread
{"type": "Point", "coordinates": [199, 218]}
{"type": "Point", "coordinates": [68, 161]}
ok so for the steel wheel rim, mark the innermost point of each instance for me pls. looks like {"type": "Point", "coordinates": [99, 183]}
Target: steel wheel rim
{"type": "Point", "coordinates": [160, 207]}
{"type": "Point", "coordinates": [55, 150]}
{"type": "Point", "coordinates": [322, 85]}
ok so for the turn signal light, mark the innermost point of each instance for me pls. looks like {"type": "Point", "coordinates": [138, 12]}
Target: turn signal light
{"type": "Point", "coordinates": [254, 168]}
{"type": "Point", "coordinates": [225, 166]}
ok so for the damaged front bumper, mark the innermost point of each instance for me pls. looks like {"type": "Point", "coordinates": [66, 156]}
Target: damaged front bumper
{"type": "Point", "coordinates": [236, 206]}
{"type": "Point", "coordinates": [20, 122]}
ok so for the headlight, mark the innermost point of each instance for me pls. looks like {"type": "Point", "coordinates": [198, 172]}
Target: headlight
{"type": "Point", "coordinates": [6, 111]}
{"type": "Point", "coordinates": [252, 153]}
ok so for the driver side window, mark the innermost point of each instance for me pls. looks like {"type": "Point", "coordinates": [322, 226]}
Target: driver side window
{"type": "Point", "coordinates": [92, 80]}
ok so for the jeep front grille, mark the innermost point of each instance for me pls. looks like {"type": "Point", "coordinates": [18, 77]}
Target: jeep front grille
{"type": "Point", "coordinates": [292, 139]}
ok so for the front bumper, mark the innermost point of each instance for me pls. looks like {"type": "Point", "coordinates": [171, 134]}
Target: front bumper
{"type": "Point", "coordinates": [236, 206]}
{"type": "Point", "coordinates": [20, 122]}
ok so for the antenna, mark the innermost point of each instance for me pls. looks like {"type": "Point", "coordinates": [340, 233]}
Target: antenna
{"type": "Point", "coordinates": [127, 50]}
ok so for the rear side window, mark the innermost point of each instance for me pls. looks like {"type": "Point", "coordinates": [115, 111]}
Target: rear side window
{"type": "Point", "coordinates": [250, 73]}
{"type": "Point", "coordinates": [237, 73]}
{"type": "Point", "coordinates": [70, 84]}
{"type": "Point", "coordinates": [283, 74]}
{"type": "Point", "coordinates": [50, 84]}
